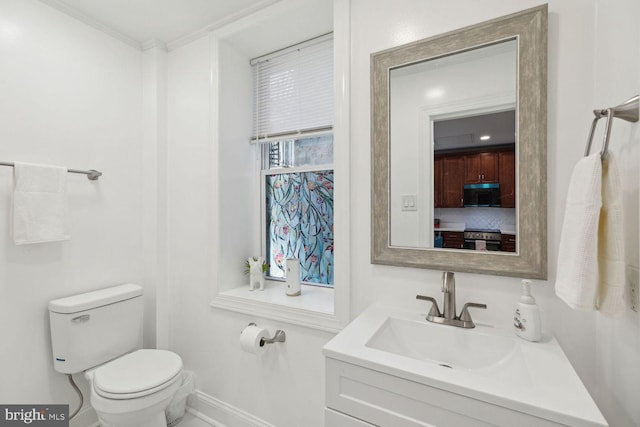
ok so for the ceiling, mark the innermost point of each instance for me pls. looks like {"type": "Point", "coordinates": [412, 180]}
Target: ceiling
{"type": "Point", "coordinates": [142, 21]}
{"type": "Point", "coordinates": [465, 132]}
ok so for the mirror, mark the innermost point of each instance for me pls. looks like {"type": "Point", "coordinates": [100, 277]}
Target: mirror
{"type": "Point", "coordinates": [449, 117]}
{"type": "Point", "coordinates": [459, 149]}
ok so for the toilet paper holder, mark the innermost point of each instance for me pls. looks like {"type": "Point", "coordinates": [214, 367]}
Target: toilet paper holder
{"type": "Point", "coordinates": [280, 336]}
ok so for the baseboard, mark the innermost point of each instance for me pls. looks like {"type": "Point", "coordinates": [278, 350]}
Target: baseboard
{"type": "Point", "coordinates": [85, 418]}
{"type": "Point", "coordinates": [221, 414]}
{"type": "Point", "coordinates": [207, 408]}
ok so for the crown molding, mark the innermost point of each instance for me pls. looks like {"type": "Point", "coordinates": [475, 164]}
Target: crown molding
{"type": "Point", "coordinates": [67, 10]}
{"type": "Point", "coordinates": [154, 43]}
{"type": "Point", "coordinates": [181, 41]}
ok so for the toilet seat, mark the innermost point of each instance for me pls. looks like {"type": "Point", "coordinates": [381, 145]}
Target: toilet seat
{"type": "Point", "coordinates": [137, 374]}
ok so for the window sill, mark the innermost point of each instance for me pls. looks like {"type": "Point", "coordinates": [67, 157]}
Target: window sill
{"type": "Point", "coordinates": [314, 308]}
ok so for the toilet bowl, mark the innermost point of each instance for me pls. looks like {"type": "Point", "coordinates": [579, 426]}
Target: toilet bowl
{"type": "Point", "coordinates": [99, 333]}
{"type": "Point", "coordinates": [135, 389]}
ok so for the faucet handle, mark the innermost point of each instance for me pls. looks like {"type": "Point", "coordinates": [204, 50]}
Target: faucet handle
{"type": "Point", "coordinates": [435, 311]}
{"type": "Point", "coordinates": [464, 314]}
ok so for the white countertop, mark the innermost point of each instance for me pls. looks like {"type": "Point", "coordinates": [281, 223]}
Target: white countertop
{"type": "Point", "coordinates": [451, 226]}
{"type": "Point", "coordinates": [460, 227]}
{"type": "Point", "coordinates": [508, 229]}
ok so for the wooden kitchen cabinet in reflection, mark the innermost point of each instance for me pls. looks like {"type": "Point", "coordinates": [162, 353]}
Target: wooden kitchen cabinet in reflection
{"type": "Point", "coordinates": [452, 170]}
{"type": "Point", "coordinates": [481, 167]}
{"type": "Point", "coordinates": [508, 242]}
{"type": "Point", "coordinates": [451, 182]}
{"type": "Point", "coordinates": [453, 239]}
{"type": "Point", "coordinates": [507, 164]}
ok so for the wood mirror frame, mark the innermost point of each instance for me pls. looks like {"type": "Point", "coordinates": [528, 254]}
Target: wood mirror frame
{"type": "Point", "coordinates": [529, 27]}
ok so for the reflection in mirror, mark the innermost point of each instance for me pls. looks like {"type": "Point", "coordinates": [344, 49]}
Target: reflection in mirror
{"type": "Point", "coordinates": [451, 118]}
{"type": "Point", "coordinates": [476, 154]}
{"type": "Point", "coordinates": [459, 138]}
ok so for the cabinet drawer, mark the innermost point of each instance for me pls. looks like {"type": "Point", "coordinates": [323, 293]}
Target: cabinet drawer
{"type": "Point", "coordinates": [452, 239]}
{"type": "Point", "coordinates": [388, 401]}
{"type": "Point", "coordinates": [509, 242]}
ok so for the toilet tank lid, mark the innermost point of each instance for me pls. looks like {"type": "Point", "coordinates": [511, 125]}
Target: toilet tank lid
{"type": "Point", "coordinates": [89, 300]}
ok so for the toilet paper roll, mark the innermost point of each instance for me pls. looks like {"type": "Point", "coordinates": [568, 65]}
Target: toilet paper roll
{"type": "Point", "coordinates": [250, 338]}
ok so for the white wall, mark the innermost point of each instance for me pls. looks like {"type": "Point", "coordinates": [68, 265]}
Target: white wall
{"type": "Point", "coordinates": [155, 176]}
{"type": "Point", "coordinates": [268, 387]}
{"type": "Point", "coordinates": [73, 96]}
{"type": "Point", "coordinates": [293, 373]}
{"type": "Point", "coordinates": [617, 78]}
{"type": "Point", "coordinates": [236, 168]}
{"type": "Point", "coordinates": [604, 356]}
{"type": "Point", "coordinates": [379, 26]}
{"type": "Point", "coordinates": [70, 96]}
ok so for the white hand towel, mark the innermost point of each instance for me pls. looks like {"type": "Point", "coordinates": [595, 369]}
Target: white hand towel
{"type": "Point", "coordinates": [611, 289]}
{"type": "Point", "coordinates": [577, 277]}
{"type": "Point", "coordinates": [481, 245]}
{"type": "Point", "coordinates": [40, 212]}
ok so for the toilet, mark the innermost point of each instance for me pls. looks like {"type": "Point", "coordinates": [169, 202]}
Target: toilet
{"type": "Point", "coordinates": [100, 334]}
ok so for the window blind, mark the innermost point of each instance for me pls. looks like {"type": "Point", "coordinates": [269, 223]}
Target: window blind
{"type": "Point", "coordinates": [293, 92]}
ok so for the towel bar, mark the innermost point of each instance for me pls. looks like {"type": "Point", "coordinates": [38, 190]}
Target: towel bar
{"type": "Point", "coordinates": [627, 111]}
{"type": "Point", "coordinates": [92, 174]}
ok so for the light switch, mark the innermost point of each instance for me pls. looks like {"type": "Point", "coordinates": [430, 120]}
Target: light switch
{"type": "Point", "coordinates": [409, 202]}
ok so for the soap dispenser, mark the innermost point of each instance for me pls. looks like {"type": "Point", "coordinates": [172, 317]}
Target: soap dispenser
{"type": "Point", "coordinates": [526, 320]}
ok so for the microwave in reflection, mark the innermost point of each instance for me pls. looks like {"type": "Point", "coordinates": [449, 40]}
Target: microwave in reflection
{"type": "Point", "coordinates": [487, 194]}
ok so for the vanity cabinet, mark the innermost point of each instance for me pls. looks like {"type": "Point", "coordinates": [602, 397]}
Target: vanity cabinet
{"type": "Point", "coordinates": [481, 167]}
{"type": "Point", "coordinates": [391, 368]}
{"type": "Point", "coordinates": [360, 397]}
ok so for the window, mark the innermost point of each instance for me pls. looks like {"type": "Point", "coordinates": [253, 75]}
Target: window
{"type": "Point", "coordinates": [293, 123]}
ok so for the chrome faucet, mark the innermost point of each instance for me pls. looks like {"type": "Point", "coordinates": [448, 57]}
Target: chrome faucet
{"type": "Point", "coordinates": [449, 289]}
{"type": "Point", "coordinates": [448, 317]}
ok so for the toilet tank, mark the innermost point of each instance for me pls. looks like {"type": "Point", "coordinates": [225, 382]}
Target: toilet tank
{"type": "Point", "coordinates": [92, 328]}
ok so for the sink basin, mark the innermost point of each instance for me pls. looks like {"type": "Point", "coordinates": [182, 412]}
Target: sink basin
{"type": "Point", "coordinates": [486, 363]}
{"type": "Point", "coordinates": [444, 345]}
{"type": "Point", "coordinates": [480, 353]}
